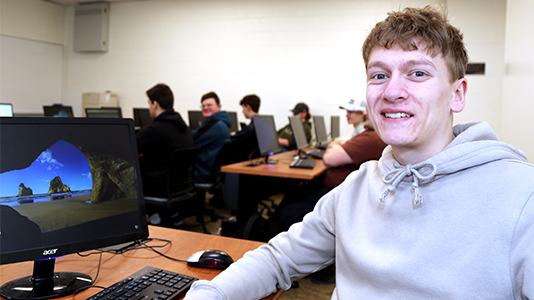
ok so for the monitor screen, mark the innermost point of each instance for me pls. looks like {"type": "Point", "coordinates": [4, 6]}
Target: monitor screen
{"type": "Point", "coordinates": [334, 126]}
{"type": "Point", "coordinates": [266, 135]}
{"type": "Point", "coordinates": [320, 130]}
{"type": "Point", "coordinates": [298, 132]}
{"type": "Point", "coordinates": [142, 117]}
{"type": "Point", "coordinates": [57, 111]}
{"type": "Point", "coordinates": [67, 185]}
{"type": "Point", "coordinates": [195, 118]}
{"type": "Point", "coordinates": [233, 117]}
{"type": "Point", "coordinates": [6, 110]}
{"type": "Point", "coordinates": [104, 112]}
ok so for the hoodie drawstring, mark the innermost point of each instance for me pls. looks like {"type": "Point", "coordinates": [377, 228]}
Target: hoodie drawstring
{"type": "Point", "coordinates": [394, 177]}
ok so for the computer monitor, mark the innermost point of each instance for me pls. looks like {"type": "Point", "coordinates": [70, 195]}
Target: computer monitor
{"type": "Point", "coordinates": [103, 112]}
{"type": "Point", "coordinates": [298, 133]}
{"type": "Point", "coordinates": [57, 111]}
{"type": "Point", "coordinates": [233, 117]}
{"type": "Point", "coordinates": [267, 138]}
{"type": "Point", "coordinates": [195, 118]}
{"type": "Point", "coordinates": [320, 130]}
{"type": "Point", "coordinates": [334, 126]}
{"type": "Point", "coordinates": [6, 110]}
{"type": "Point", "coordinates": [142, 117]}
{"type": "Point", "coordinates": [66, 185]}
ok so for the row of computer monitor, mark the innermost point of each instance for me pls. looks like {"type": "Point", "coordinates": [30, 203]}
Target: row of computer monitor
{"type": "Point", "coordinates": [142, 119]}
{"type": "Point", "coordinates": [141, 115]}
{"type": "Point", "coordinates": [268, 139]}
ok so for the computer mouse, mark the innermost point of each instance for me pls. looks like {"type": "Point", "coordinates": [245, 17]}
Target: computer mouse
{"type": "Point", "coordinates": [211, 259]}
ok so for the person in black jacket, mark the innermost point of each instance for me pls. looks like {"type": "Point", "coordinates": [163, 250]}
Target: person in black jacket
{"type": "Point", "coordinates": [244, 143]}
{"type": "Point", "coordinates": [157, 142]}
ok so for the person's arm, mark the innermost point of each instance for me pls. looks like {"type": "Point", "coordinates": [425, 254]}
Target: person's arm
{"type": "Point", "coordinates": [283, 142]}
{"type": "Point", "coordinates": [306, 247]}
{"type": "Point", "coordinates": [336, 156]}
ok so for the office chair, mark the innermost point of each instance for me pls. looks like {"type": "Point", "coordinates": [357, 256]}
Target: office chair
{"type": "Point", "coordinates": [214, 185]}
{"type": "Point", "coordinates": [182, 200]}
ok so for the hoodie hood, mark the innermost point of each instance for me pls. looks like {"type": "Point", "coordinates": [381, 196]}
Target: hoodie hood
{"type": "Point", "coordinates": [475, 144]}
{"type": "Point", "coordinates": [174, 118]}
{"type": "Point", "coordinates": [223, 116]}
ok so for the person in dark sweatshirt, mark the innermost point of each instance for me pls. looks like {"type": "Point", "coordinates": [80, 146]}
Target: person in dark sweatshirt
{"type": "Point", "coordinates": [210, 136]}
{"type": "Point", "coordinates": [157, 142]}
{"type": "Point", "coordinates": [245, 143]}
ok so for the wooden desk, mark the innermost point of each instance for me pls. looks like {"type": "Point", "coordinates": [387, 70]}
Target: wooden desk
{"type": "Point", "coordinates": [118, 266]}
{"type": "Point", "coordinates": [281, 169]}
{"type": "Point", "coordinates": [251, 188]}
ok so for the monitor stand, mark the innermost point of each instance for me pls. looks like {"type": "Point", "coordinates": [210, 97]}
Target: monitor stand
{"type": "Point", "coordinates": [268, 161]}
{"type": "Point", "coordinates": [44, 283]}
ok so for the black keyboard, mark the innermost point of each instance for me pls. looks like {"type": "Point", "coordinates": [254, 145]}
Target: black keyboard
{"type": "Point", "coordinates": [303, 163]}
{"type": "Point", "coordinates": [316, 153]}
{"type": "Point", "coordinates": [148, 283]}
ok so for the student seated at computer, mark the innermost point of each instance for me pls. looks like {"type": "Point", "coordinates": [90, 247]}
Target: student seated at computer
{"type": "Point", "coordinates": [157, 142]}
{"type": "Point", "coordinates": [210, 136]}
{"type": "Point", "coordinates": [285, 135]}
{"type": "Point", "coordinates": [355, 115]}
{"type": "Point", "coordinates": [244, 144]}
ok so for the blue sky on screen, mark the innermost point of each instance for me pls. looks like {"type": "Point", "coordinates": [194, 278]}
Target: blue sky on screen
{"type": "Point", "coordinates": [61, 159]}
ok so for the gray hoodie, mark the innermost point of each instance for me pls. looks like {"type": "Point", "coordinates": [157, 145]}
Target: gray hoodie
{"type": "Point", "coordinates": [459, 225]}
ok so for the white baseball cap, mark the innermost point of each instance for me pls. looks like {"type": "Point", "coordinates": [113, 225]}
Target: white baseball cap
{"type": "Point", "coordinates": [353, 106]}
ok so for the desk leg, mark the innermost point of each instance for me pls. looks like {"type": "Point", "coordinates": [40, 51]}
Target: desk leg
{"type": "Point", "coordinates": [250, 190]}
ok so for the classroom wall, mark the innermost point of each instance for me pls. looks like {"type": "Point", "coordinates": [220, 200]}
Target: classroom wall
{"type": "Point", "coordinates": [518, 106]}
{"type": "Point", "coordinates": [33, 19]}
{"type": "Point", "coordinates": [285, 51]}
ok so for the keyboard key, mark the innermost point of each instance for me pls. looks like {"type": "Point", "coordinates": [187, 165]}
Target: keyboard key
{"type": "Point", "coordinates": [139, 286]}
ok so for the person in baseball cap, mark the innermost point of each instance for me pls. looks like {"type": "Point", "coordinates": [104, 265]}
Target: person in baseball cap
{"type": "Point", "coordinates": [356, 114]}
{"type": "Point", "coordinates": [285, 135]}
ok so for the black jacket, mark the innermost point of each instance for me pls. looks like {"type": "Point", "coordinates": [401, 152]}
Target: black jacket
{"type": "Point", "coordinates": [156, 144]}
{"type": "Point", "coordinates": [244, 145]}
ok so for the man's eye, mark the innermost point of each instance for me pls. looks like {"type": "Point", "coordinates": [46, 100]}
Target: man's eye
{"type": "Point", "coordinates": [379, 76]}
{"type": "Point", "coordinates": [419, 73]}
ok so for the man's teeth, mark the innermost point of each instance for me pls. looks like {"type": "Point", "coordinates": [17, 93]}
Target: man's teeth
{"type": "Point", "coordinates": [396, 115]}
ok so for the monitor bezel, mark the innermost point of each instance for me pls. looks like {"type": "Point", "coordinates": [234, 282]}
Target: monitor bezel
{"type": "Point", "coordinates": [266, 152]}
{"type": "Point", "coordinates": [65, 248]}
{"type": "Point", "coordinates": [10, 105]}
{"type": "Point", "coordinates": [116, 110]}
{"type": "Point", "coordinates": [233, 118]}
{"type": "Point", "coordinates": [298, 132]}
{"type": "Point", "coordinates": [192, 115]}
{"type": "Point", "coordinates": [332, 127]}
{"type": "Point", "coordinates": [139, 120]}
{"type": "Point", "coordinates": [315, 125]}
{"type": "Point", "coordinates": [46, 109]}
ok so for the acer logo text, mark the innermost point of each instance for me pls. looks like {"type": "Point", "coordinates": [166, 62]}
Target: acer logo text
{"type": "Point", "coordinates": [49, 252]}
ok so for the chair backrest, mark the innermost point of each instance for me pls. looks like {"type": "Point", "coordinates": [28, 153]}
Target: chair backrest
{"type": "Point", "coordinates": [180, 176]}
{"type": "Point", "coordinates": [216, 177]}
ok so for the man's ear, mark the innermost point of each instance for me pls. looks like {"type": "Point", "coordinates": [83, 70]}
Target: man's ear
{"type": "Point", "coordinates": [458, 97]}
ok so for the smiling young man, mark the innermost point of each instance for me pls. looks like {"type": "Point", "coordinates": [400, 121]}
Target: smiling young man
{"type": "Point", "coordinates": [212, 134]}
{"type": "Point", "coordinates": [446, 212]}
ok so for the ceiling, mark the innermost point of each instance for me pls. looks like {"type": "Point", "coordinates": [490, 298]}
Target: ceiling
{"type": "Point", "coordinates": [74, 2]}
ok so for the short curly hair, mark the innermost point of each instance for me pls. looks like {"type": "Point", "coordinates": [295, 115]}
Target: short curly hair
{"type": "Point", "coordinates": [412, 28]}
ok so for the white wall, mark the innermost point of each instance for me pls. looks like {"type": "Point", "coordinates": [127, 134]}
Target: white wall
{"type": "Point", "coordinates": [33, 20]}
{"type": "Point", "coordinates": [284, 51]}
{"type": "Point", "coordinates": [482, 22]}
{"type": "Point", "coordinates": [518, 105]}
